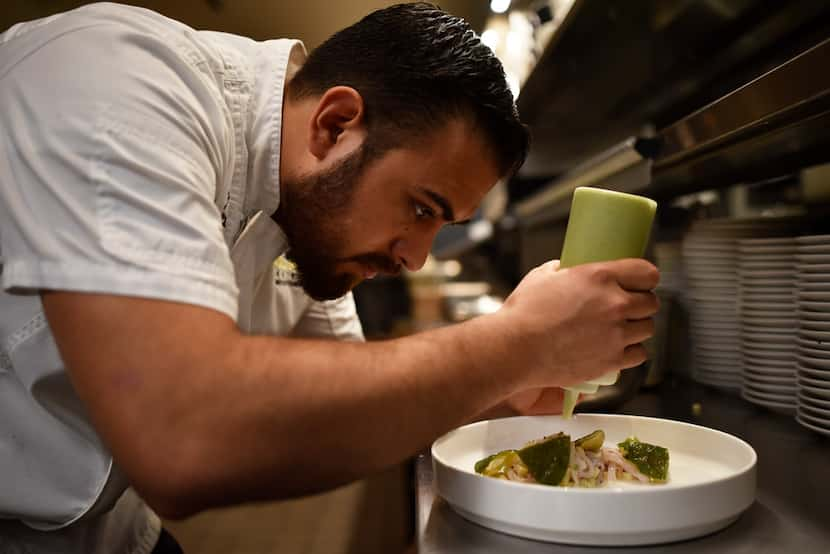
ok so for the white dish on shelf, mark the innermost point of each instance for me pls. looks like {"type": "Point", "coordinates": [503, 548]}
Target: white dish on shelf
{"type": "Point", "coordinates": [804, 349]}
{"type": "Point", "coordinates": [814, 248]}
{"type": "Point", "coordinates": [786, 406]}
{"type": "Point", "coordinates": [819, 336]}
{"type": "Point", "coordinates": [820, 414]}
{"type": "Point", "coordinates": [816, 392]}
{"type": "Point", "coordinates": [814, 373]}
{"type": "Point", "coordinates": [812, 361]}
{"type": "Point", "coordinates": [780, 331]}
{"type": "Point", "coordinates": [805, 396]}
{"type": "Point", "coordinates": [803, 380]}
{"type": "Point", "coordinates": [787, 389]}
{"type": "Point", "coordinates": [769, 371]}
{"type": "Point", "coordinates": [711, 482]}
{"type": "Point", "coordinates": [750, 262]}
{"type": "Point", "coordinates": [749, 295]}
{"type": "Point", "coordinates": [813, 258]}
{"type": "Point", "coordinates": [764, 321]}
{"type": "Point", "coordinates": [813, 426]}
{"type": "Point", "coordinates": [815, 325]}
{"type": "Point", "coordinates": [814, 286]}
{"type": "Point", "coordinates": [764, 379]}
{"type": "Point", "coordinates": [812, 239]}
{"type": "Point", "coordinates": [771, 338]}
{"type": "Point", "coordinates": [753, 346]}
{"type": "Point", "coordinates": [767, 306]}
{"type": "Point", "coordinates": [760, 359]}
{"type": "Point", "coordinates": [811, 267]}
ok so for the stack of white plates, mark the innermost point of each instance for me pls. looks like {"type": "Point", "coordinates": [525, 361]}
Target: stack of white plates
{"type": "Point", "coordinates": [710, 256]}
{"type": "Point", "coordinates": [813, 342]}
{"type": "Point", "coordinates": [768, 316]}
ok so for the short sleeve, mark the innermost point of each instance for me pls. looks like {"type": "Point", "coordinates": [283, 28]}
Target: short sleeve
{"type": "Point", "coordinates": [336, 319]}
{"type": "Point", "coordinates": [111, 146]}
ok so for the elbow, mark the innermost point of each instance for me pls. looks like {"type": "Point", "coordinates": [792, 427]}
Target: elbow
{"type": "Point", "coordinates": [170, 484]}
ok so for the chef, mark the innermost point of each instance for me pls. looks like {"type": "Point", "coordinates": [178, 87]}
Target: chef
{"type": "Point", "coordinates": [183, 215]}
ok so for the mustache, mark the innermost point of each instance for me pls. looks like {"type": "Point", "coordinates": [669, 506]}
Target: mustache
{"type": "Point", "coordinates": [381, 262]}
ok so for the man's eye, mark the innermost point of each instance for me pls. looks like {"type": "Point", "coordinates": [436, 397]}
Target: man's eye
{"type": "Point", "coordinates": [423, 212]}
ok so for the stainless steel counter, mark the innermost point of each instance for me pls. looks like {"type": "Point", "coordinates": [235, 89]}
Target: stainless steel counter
{"type": "Point", "coordinates": [791, 513]}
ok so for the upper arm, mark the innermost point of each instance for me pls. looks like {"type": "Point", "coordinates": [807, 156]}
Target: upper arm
{"type": "Point", "coordinates": [111, 156]}
{"type": "Point", "coordinates": [137, 364]}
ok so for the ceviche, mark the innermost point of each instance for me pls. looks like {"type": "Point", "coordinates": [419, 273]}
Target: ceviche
{"type": "Point", "coordinates": [586, 462]}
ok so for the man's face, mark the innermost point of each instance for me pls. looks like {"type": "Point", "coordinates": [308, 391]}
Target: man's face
{"type": "Point", "coordinates": [368, 216]}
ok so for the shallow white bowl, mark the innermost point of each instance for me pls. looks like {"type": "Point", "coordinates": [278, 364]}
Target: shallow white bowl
{"type": "Point", "coordinates": [711, 482]}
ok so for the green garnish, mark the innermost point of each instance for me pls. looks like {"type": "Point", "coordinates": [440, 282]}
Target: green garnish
{"type": "Point", "coordinates": [591, 441]}
{"type": "Point", "coordinates": [651, 460]}
{"type": "Point", "coordinates": [548, 459]}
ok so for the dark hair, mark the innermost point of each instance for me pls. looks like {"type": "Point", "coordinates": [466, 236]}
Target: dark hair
{"type": "Point", "coordinates": [416, 67]}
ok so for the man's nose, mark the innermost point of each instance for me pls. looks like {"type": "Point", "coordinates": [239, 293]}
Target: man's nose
{"type": "Point", "coordinates": [412, 254]}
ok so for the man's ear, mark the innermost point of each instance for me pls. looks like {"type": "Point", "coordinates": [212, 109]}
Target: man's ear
{"type": "Point", "coordinates": [336, 121]}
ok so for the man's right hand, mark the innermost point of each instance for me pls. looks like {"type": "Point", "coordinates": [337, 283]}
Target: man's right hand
{"type": "Point", "coordinates": [565, 326]}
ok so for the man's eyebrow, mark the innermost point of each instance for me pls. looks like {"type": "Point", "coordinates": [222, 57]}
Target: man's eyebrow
{"type": "Point", "coordinates": [447, 213]}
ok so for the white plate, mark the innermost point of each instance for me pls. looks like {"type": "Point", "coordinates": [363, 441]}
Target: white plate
{"type": "Point", "coordinates": [803, 380]}
{"type": "Point", "coordinates": [812, 361]}
{"type": "Point", "coordinates": [813, 286]}
{"type": "Point", "coordinates": [813, 279]}
{"type": "Point", "coordinates": [812, 316]}
{"type": "Point", "coordinates": [777, 322]}
{"type": "Point", "coordinates": [813, 373]}
{"type": "Point", "coordinates": [752, 274]}
{"type": "Point", "coordinates": [752, 347]}
{"type": "Point", "coordinates": [804, 396]}
{"type": "Point", "coordinates": [758, 291]}
{"type": "Point", "coordinates": [711, 482]}
{"type": "Point", "coordinates": [811, 267]}
{"type": "Point", "coordinates": [814, 248]}
{"type": "Point", "coordinates": [810, 334]}
{"type": "Point", "coordinates": [781, 316]}
{"type": "Point", "coordinates": [818, 413]}
{"type": "Point", "coordinates": [768, 306]}
{"type": "Point", "coordinates": [782, 398]}
{"type": "Point", "coordinates": [751, 377]}
{"type": "Point", "coordinates": [786, 407]}
{"type": "Point", "coordinates": [769, 372]}
{"type": "Point", "coordinates": [749, 295]}
{"type": "Point", "coordinates": [749, 262]}
{"type": "Point", "coordinates": [810, 342]}
{"type": "Point", "coordinates": [789, 389]}
{"type": "Point", "coordinates": [813, 239]}
{"type": "Point", "coordinates": [811, 325]}
{"type": "Point", "coordinates": [812, 426]}
{"type": "Point", "coordinates": [814, 295]}
{"type": "Point", "coordinates": [759, 359]}
{"type": "Point", "coordinates": [814, 391]}
{"type": "Point", "coordinates": [767, 336]}
{"type": "Point", "coordinates": [810, 352]}
{"type": "Point", "coordinates": [779, 331]}
{"type": "Point", "coordinates": [813, 258]}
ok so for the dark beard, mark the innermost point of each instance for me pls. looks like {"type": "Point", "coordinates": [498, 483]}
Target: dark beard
{"type": "Point", "coordinates": [311, 212]}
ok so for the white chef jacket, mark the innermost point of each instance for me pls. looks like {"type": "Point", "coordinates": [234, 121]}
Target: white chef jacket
{"type": "Point", "coordinates": [138, 157]}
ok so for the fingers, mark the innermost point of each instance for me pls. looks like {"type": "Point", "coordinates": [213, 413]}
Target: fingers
{"type": "Point", "coordinates": [638, 331]}
{"type": "Point", "coordinates": [634, 274]}
{"type": "Point", "coordinates": [641, 305]}
{"type": "Point", "coordinates": [634, 355]}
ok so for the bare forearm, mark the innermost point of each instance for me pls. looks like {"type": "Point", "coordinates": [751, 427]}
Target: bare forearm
{"type": "Point", "coordinates": [286, 417]}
